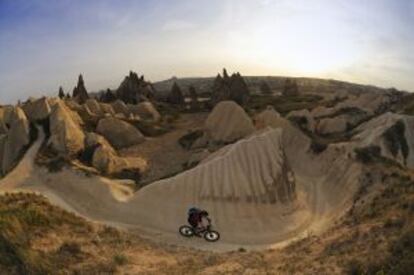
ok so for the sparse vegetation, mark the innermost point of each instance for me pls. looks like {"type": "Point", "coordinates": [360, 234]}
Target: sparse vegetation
{"type": "Point", "coordinates": [284, 104]}
{"type": "Point", "coordinates": [318, 147]}
{"type": "Point", "coordinates": [120, 259]}
{"type": "Point", "coordinates": [187, 140]}
{"type": "Point", "coordinates": [50, 159]}
{"type": "Point", "coordinates": [396, 141]}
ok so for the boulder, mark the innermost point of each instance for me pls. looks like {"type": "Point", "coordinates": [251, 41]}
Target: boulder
{"type": "Point", "coordinates": [120, 108]}
{"type": "Point", "coordinates": [107, 109]}
{"type": "Point", "coordinates": [106, 160]}
{"type": "Point", "coordinates": [18, 137]}
{"type": "Point", "coordinates": [93, 140]}
{"type": "Point", "coordinates": [94, 107]}
{"type": "Point", "coordinates": [88, 117]}
{"type": "Point", "coordinates": [145, 110]}
{"type": "Point", "coordinates": [37, 110]}
{"type": "Point", "coordinates": [7, 114]}
{"type": "Point", "coordinates": [333, 125]}
{"type": "Point", "coordinates": [269, 118]}
{"type": "Point", "coordinates": [228, 122]}
{"type": "Point", "coordinates": [322, 111]}
{"type": "Point", "coordinates": [119, 133]}
{"type": "Point", "coordinates": [75, 110]}
{"type": "Point", "coordinates": [67, 137]}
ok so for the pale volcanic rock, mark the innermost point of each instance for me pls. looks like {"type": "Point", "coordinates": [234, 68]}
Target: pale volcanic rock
{"type": "Point", "coordinates": [67, 136]}
{"type": "Point", "coordinates": [119, 133]}
{"type": "Point", "coordinates": [228, 122]}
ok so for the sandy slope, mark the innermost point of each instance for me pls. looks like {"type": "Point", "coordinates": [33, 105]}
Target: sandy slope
{"type": "Point", "coordinates": [324, 185]}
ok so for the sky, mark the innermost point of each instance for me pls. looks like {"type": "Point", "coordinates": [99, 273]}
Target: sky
{"type": "Point", "coordinates": [45, 44]}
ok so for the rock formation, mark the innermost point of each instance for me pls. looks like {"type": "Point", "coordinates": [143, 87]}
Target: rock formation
{"type": "Point", "coordinates": [119, 133]}
{"type": "Point", "coordinates": [61, 93]}
{"type": "Point", "coordinates": [303, 119]}
{"type": "Point", "coordinates": [269, 118]}
{"type": "Point", "coordinates": [392, 136]}
{"type": "Point", "coordinates": [107, 109]}
{"type": "Point", "coordinates": [66, 135]}
{"type": "Point", "coordinates": [333, 125]}
{"type": "Point", "coordinates": [120, 108]}
{"type": "Point", "coordinates": [16, 139]}
{"type": "Point", "coordinates": [94, 107]}
{"type": "Point", "coordinates": [176, 95]}
{"type": "Point", "coordinates": [230, 88]}
{"type": "Point", "coordinates": [228, 122]}
{"type": "Point", "coordinates": [145, 110]}
{"type": "Point", "coordinates": [37, 110]}
{"type": "Point", "coordinates": [79, 92]}
{"type": "Point", "coordinates": [134, 89]}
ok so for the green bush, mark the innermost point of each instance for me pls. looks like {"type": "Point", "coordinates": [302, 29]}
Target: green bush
{"type": "Point", "coordinates": [318, 147]}
{"type": "Point", "coordinates": [187, 140]}
{"type": "Point", "coordinates": [120, 259]}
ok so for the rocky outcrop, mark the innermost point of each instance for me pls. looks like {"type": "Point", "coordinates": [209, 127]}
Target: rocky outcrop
{"type": "Point", "coordinates": [16, 139]}
{"type": "Point", "coordinates": [107, 109]}
{"type": "Point", "coordinates": [389, 135]}
{"type": "Point", "coordinates": [61, 93]}
{"type": "Point", "coordinates": [269, 118]}
{"type": "Point", "coordinates": [230, 88]}
{"type": "Point", "coordinates": [228, 122]}
{"type": "Point", "coordinates": [79, 92]}
{"type": "Point", "coordinates": [67, 137]}
{"type": "Point", "coordinates": [134, 89]}
{"type": "Point", "coordinates": [303, 119]}
{"type": "Point", "coordinates": [120, 108]}
{"type": "Point", "coordinates": [119, 133]}
{"type": "Point", "coordinates": [176, 95]}
{"type": "Point", "coordinates": [37, 110]}
{"type": "Point", "coordinates": [107, 161]}
{"type": "Point", "coordinates": [145, 110]}
{"type": "Point", "coordinates": [334, 125]}
{"type": "Point", "coordinates": [94, 107]}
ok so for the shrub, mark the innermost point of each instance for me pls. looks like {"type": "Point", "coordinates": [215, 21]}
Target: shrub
{"type": "Point", "coordinates": [368, 154]}
{"type": "Point", "coordinates": [70, 248]}
{"type": "Point", "coordinates": [318, 147]}
{"type": "Point", "coordinates": [395, 139]}
{"type": "Point", "coordinates": [187, 140]}
{"type": "Point", "coordinates": [120, 259]}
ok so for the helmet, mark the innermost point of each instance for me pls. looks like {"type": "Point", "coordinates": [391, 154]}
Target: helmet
{"type": "Point", "coordinates": [193, 210]}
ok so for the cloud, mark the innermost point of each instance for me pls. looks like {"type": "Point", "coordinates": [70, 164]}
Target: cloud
{"type": "Point", "coordinates": [178, 25]}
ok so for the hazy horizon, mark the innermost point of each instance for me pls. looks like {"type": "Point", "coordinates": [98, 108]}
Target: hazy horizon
{"type": "Point", "coordinates": [46, 44]}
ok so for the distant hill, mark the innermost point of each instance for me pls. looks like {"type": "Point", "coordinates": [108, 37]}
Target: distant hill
{"type": "Point", "coordinates": [306, 85]}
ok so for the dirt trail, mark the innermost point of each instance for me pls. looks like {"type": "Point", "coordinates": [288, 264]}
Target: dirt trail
{"type": "Point", "coordinates": [159, 209]}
